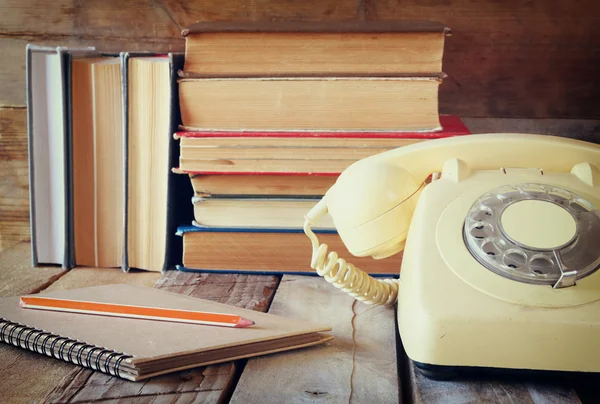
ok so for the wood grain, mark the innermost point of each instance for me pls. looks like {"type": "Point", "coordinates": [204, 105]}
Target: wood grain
{"type": "Point", "coordinates": [513, 58]}
{"type": "Point", "coordinates": [211, 384]}
{"type": "Point", "coordinates": [494, 391]}
{"type": "Point", "coordinates": [152, 20]}
{"type": "Point", "coordinates": [18, 365]}
{"type": "Point", "coordinates": [18, 277]}
{"type": "Point", "coordinates": [587, 130]}
{"type": "Point", "coordinates": [14, 180]}
{"type": "Point", "coordinates": [359, 365]}
{"type": "Point", "coordinates": [82, 277]}
{"type": "Point", "coordinates": [12, 75]}
{"type": "Point", "coordinates": [505, 59]}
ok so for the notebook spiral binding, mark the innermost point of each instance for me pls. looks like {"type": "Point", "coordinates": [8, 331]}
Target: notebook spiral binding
{"type": "Point", "coordinates": [53, 345]}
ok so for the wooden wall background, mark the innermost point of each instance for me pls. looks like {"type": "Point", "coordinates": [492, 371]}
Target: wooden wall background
{"type": "Point", "coordinates": [505, 59]}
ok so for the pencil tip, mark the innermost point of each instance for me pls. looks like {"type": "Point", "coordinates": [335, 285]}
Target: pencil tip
{"type": "Point", "coordinates": [244, 323]}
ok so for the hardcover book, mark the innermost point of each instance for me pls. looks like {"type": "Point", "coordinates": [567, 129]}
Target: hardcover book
{"type": "Point", "coordinates": [263, 250]}
{"type": "Point", "coordinates": [334, 48]}
{"type": "Point", "coordinates": [77, 153]}
{"type": "Point", "coordinates": [48, 98]}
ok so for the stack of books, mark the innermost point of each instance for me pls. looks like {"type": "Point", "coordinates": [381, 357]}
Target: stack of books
{"type": "Point", "coordinates": [273, 113]}
{"type": "Point", "coordinates": [100, 154]}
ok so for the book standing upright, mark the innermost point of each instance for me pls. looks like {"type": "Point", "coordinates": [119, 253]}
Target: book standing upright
{"type": "Point", "coordinates": [49, 147]}
{"type": "Point", "coordinates": [79, 114]}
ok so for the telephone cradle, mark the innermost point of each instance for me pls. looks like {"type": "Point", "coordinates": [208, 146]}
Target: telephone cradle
{"type": "Point", "coordinates": [501, 249]}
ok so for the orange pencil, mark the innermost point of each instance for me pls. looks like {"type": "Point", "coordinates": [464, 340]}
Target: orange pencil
{"type": "Point", "coordinates": [143, 312]}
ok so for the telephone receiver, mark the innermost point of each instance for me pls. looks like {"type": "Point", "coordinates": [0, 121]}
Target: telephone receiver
{"type": "Point", "coordinates": [373, 201]}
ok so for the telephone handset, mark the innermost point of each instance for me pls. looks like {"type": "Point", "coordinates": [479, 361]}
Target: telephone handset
{"type": "Point", "coordinates": [373, 201]}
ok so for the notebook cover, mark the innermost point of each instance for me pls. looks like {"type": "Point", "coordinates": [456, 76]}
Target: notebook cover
{"type": "Point", "coordinates": [452, 125]}
{"type": "Point", "coordinates": [149, 340]}
{"type": "Point", "coordinates": [65, 56]}
{"type": "Point", "coordinates": [318, 26]}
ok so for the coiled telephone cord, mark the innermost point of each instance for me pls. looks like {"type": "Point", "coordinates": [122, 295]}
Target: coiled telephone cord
{"type": "Point", "coordinates": [345, 276]}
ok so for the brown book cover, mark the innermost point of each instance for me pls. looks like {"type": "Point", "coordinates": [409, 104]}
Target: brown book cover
{"type": "Point", "coordinates": [318, 26]}
{"type": "Point", "coordinates": [314, 49]}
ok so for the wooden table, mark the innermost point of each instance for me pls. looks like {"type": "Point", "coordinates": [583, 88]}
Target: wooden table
{"type": "Point", "coordinates": [363, 364]}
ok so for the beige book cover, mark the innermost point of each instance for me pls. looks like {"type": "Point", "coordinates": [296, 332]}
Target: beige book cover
{"type": "Point", "coordinates": [137, 349]}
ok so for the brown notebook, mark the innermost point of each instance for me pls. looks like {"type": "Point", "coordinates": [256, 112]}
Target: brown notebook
{"type": "Point", "coordinates": [137, 349]}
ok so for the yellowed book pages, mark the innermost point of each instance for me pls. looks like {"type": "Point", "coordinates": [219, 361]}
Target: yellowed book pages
{"type": "Point", "coordinates": [108, 144]}
{"type": "Point", "coordinates": [285, 53]}
{"type": "Point", "coordinates": [84, 198]}
{"type": "Point", "coordinates": [149, 92]}
{"type": "Point", "coordinates": [97, 161]}
{"type": "Point", "coordinates": [317, 104]}
{"type": "Point", "coordinates": [269, 251]}
{"type": "Point", "coordinates": [261, 184]}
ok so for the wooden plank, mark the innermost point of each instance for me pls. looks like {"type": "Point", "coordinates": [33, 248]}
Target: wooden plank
{"type": "Point", "coordinates": [18, 365]}
{"type": "Point", "coordinates": [204, 385]}
{"type": "Point", "coordinates": [489, 390]}
{"type": "Point", "coordinates": [18, 277]}
{"type": "Point", "coordinates": [359, 365]}
{"type": "Point", "coordinates": [95, 18]}
{"type": "Point", "coordinates": [12, 75]}
{"type": "Point", "coordinates": [83, 277]}
{"type": "Point", "coordinates": [211, 384]}
{"type": "Point", "coordinates": [512, 59]}
{"type": "Point", "coordinates": [154, 20]}
{"type": "Point", "coordinates": [582, 129]}
{"type": "Point", "coordinates": [506, 59]}
{"type": "Point", "coordinates": [14, 180]}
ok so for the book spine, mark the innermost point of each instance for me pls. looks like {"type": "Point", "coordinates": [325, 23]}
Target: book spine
{"type": "Point", "coordinates": [30, 160]}
{"type": "Point", "coordinates": [66, 263]}
{"type": "Point", "coordinates": [178, 187]}
{"type": "Point", "coordinates": [65, 349]}
{"type": "Point", "coordinates": [67, 59]}
{"type": "Point", "coordinates": [124, 58]}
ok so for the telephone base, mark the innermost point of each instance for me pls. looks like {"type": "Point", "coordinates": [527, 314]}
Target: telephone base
{"type": "Point", "coordinates": [447, 373]}
{"type": "Point", "coordinates": [452, 310]}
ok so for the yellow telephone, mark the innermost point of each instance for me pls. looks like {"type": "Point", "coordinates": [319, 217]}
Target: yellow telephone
{"type": "Point", "coordinates": [501, 249]}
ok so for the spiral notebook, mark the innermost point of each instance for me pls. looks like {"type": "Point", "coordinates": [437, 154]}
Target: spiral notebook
{"type": "Point", "coordinates": [136, 349]}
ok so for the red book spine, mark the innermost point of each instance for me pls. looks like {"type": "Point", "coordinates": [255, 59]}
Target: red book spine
{"type": "Point", "coordinates": [451, 126]}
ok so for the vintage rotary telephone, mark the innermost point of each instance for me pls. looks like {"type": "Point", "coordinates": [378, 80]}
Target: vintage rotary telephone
{"type": "Point", "coordinates": [501, 249]}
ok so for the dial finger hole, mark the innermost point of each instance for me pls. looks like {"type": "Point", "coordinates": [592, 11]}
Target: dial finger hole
{"type": "Point", "coordinates": [490, 249]}
{"type": "Point", "coordinates": [580, 206]}
{"type": "Point", "coordinates": [481, 230]}
{"type": "Point", "coordinates": [534, 190]}
{"type": "Point", "coordinates": [559, 196]}
{"type": "Point", "coordinates": [491, 200]}
{"type": "Point", "coordinates": [514, 259]}
{"type": "Point", "coordinates": [483, 213]}
{"type": "Point", "coordinates": [541, 265]}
